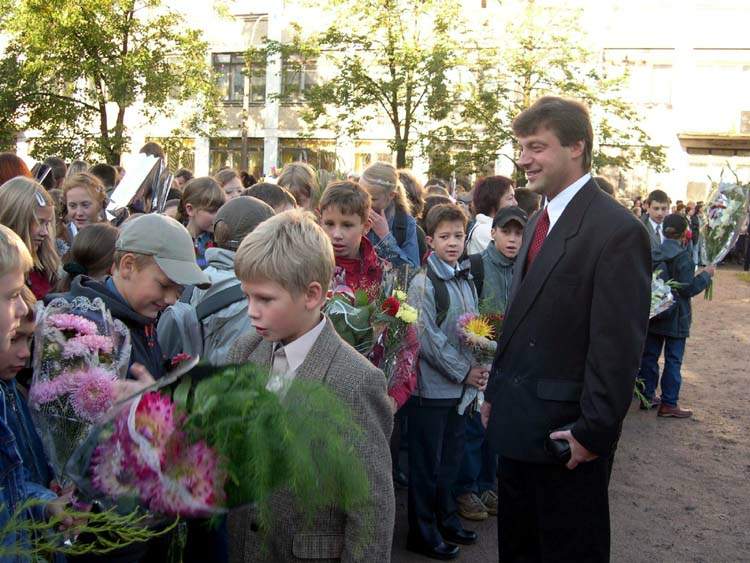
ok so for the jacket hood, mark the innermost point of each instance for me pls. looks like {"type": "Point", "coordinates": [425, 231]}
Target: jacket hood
{"type": "Point", "coordinates": [671, 248]}
{"type": "Point", "coordinates": [220, 258]}
{"type": "Point", "coordinates": [84, 286]}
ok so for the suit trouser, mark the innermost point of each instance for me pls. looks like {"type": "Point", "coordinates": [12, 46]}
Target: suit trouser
{"type": "Point", "coordinates": [548, 513]}
{"type": "Point", "coordinates": [436, 446]}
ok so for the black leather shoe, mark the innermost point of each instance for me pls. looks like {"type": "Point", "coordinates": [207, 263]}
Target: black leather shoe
{"type": "Point", "coordinates": [462, 537]}
{"type": "Point", "coordinates": [443, 551]}
{"type": "Point", "coordinates": [400, 479]}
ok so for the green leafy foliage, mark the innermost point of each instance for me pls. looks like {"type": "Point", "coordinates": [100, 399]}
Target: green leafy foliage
{"type": "Point", "coordinates": [78, 66]}
{"type": "Point", "coordinates": [104, 531]}
{"type": "Point", "coordinates": [543, 52]}
{"type": "Point", "coordinates": [391, 59]}
{"type": "Point", "coordinates": [302, 443]}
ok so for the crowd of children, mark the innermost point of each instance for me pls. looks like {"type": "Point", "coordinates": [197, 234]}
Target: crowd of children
{"type": "Point", "coordinates": [235, 273]}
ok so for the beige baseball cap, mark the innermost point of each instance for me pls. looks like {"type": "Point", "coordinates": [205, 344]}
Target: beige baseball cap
{"type": "Point", "coordinates": [168, 242]}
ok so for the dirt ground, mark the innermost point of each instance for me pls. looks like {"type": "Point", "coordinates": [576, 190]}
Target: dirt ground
{"type": "Point", "coordinates": [680, 489]}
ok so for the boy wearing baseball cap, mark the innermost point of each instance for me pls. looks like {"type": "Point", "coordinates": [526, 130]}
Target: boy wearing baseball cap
{"type": "Point", "coordinates": [475, 484]}
{"type": "Point", "coordinates": [154, 259]}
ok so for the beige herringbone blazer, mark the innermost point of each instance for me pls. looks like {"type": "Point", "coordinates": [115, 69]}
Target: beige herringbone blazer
{"type": "Point", "coordinates": [333, 534]}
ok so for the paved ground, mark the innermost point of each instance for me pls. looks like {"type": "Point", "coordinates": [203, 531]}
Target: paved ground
{"type": "Point", "coordinates": [679, 488]}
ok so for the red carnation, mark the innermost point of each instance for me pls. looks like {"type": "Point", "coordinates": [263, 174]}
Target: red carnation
{"type": "Point", "coordinates": [390, 306]}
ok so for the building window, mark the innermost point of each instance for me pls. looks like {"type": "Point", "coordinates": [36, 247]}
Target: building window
{"type": "Point", "coordinates": [296, 79]}
{"type": "Point", "coordinates": [318, 153]}
{"type": "Point", "coordinates": [180, 151]}
{"type": "Point", "coordinates": [231, 71]}
{"type": "Point", "coordinates": [228, 152]}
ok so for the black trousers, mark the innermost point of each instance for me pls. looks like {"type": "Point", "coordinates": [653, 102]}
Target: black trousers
{"type": "Point", "coordinates": [549, 513]}
{"type": "Point", "coordinates": [436, 446]}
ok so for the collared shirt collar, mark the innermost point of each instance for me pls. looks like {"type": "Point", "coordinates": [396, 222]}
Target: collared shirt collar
{"type": "Point", "coordinates": [657, 228]}
{"type": "Point", "coordinates": [557, 205]}
{"type": "Point", "coordinates": [297, 350]}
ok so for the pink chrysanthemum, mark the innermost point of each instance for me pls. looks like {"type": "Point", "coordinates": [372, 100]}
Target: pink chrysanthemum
{"type": "Point", "coordinates": [43, 392]}
{"type": "Point", "coordinates": [93, 392]}
{"type": "Point", "coordinates": [89, 343]}
{"type": "Point", "coordinates": [155, 418]}
{"type": "Point", "coordinates": [109, 472]}
{"type": "Point", "coordinates": [191, 483]}
{"type": "Point", "coordinates": [76, 323]}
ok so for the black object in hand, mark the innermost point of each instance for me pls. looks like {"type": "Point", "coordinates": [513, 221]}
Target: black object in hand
{"type": "Point", "coordinates": [559, 449]}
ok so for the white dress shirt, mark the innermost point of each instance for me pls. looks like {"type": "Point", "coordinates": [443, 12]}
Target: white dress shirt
{"type": "Point", "coordinates": [657, 229]}
{"type": "Point", "coordinates": [287, 359]}
{"type": "Point", "coordinates": [557, 205]}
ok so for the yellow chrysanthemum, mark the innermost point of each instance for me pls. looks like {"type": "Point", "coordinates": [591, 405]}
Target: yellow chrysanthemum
{"type": "Point", "coordinates": [407, 313]}
{"type": "Point", "coordinates": [480, 328]}
{"type": "Point", "coordinates": [400, 295]}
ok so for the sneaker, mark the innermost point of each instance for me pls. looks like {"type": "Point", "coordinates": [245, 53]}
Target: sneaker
{"type": "Point", "coordinates": [489, 500]}
{"type": "Point", "coordinates": [471, 508]}
{"type": "Point", "coordinates": [674, 411]}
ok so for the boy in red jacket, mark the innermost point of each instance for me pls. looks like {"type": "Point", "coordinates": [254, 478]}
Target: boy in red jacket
{"type": "Point", "coordinates": [344, 216]}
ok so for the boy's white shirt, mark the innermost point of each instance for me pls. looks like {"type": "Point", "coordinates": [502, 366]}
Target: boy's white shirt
{"type": "Point", "coordinates": [287, 359]}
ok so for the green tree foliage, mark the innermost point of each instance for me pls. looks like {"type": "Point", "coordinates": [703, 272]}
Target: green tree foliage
{"type": "Point", "coordinates": [77, 66]}
{"type": "Point", "coordinates": [542, 52]}
{"type": "Point", "coordinates": [390, 58]}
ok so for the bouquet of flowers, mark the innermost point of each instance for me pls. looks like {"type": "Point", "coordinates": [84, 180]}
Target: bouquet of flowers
{"type": "Point", "coordinates": [661, 295]}
{"type": "Point", "coordinates": [80, 353]}
{"type": "Point", "coordinates": [727, 210]}
{"type": "Point", "coordinates": [478, 334]}
{"type": "Point", "coordinates": [146, 454]}
{"type": "Point", "coordinates": [397, 348]}
{"type": "Point", "coordinates": [350, 313]}
{"type": "Point", "coordinates": [220, 439]}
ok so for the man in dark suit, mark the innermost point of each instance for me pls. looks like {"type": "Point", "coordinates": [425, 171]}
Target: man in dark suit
{"type": "Point", "coordinates": [570, 348]}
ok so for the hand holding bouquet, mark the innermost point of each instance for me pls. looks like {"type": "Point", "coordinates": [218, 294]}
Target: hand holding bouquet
{"type": "Point", "coordinates": [478, 334]}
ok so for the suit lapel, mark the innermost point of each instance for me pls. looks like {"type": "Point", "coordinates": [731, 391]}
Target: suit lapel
{"type": "Point", "coordinates": [318, 361]}
{"type": "Point", "coordinates": [520, 262]}
{"type": "Point", "coordinates": [552, 251]}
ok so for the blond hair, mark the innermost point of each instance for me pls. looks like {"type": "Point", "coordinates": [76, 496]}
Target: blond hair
{"type": "Point", "coordinates": [300, 179]}
{"type": "Point", "coordinates": [290, 249]}
{"type": "Point", "coordinates": [384, 175]}
{"type": "Point", "coordinates": [30, 301]}
{"type": "Point", "coordinates": [14, 255]}
{"type": "Point", "coordinates": [88, 182]}
{"type": "Point", "coordinates": [20, 198]}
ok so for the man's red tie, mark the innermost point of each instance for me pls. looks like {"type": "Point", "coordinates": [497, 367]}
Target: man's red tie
{"type": "Point", "coordinates": [540, 233]}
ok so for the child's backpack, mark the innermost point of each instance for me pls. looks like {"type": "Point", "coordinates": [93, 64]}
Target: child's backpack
{"type": "Point", "coordinates": [442, 299]}
{"type": "Point", "coordinates": [180, 328]}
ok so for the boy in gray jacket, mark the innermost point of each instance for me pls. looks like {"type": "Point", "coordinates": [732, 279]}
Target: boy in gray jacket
{"type": "Point", "coordinates": [194, 325]}
{"type": "Point", "coordinates": [447, 373]}
{"type": "Point", "coordinates": [475, 483]}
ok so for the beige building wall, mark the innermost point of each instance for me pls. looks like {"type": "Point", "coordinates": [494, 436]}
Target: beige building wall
{"type": "Point", "coordinates": [689, 65]}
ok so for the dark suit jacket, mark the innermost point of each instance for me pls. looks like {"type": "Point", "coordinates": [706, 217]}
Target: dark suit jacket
{"type": "Point", "coordinates": [333, 535]}
{"type": "Point", "coordinates": [574, 332]}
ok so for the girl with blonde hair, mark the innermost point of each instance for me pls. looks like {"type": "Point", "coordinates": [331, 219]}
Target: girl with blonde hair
{"type": "Point", "coordinates": [27, 209]}
{"type": "Point", "coordinates": [394, 230]}
{"type": "Point", "coordinates": [83, 202]}
{"type": "Point", "coordinates": [300, 179]}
